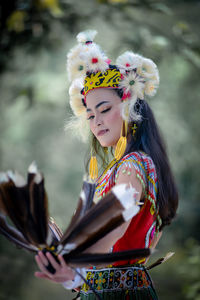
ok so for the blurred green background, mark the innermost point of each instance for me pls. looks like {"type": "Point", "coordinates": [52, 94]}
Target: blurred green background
{"type": "Point", "coordinates": [34, 106]}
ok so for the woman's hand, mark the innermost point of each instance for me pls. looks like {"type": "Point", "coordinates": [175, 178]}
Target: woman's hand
{"type": "Point", "coordinates": [63, 272]}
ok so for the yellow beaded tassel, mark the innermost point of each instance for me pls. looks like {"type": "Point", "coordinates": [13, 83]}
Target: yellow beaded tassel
{"type": "Point", "coordinates": [120, 148]}
{"type": "Point", "coordinates": [93, 168]}
{"type": "Point", "coordinates": [122, 142]}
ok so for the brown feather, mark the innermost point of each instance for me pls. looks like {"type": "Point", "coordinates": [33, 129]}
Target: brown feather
{"type": "Point", "coordinates": [14, 201]}
{"type": "Point", "coordinates": [38, 207]}
{"type": "Point", "coordinates": [25, 206]}
{"type": "Point", "coordinates": [54, 233]}
{"type": "Point", "coordinates": [107, 258]}
{"type": "Point", "coordinates": [84, 203]}
{"type": "Point", "coordinates": [3, 180]}
{"type": "Point", "coordinates": [114, 209]}
{"type": "Point", "coordinates": [101, 219]}
{"type": "Point", "coordinates": [94, 218]}
{"type": "Point", "coordinates": [86, 240]}
{"type": "Point", "coordinates": [14, 235]}
{"type": "Point", "coordinates": [89, 190]}
{"type": "Point", "coordinates": [161, 260]}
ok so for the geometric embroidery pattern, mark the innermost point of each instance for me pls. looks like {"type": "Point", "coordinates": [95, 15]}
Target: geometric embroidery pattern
{"type": "Point", "coordinates": [116, 279]}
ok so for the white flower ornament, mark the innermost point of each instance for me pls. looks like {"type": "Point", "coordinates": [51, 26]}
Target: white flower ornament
{"type": "Point", "coordinates": [133, 84]}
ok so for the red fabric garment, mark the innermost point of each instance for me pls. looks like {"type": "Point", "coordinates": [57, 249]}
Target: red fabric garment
{"type": "Point", "coordinates": [136, 234]}
{"type": "Point", "coordinates": [141, 230]}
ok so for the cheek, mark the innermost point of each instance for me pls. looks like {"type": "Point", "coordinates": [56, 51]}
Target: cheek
{"type": "Point", "coordinates": [115, 119]}
{"type": "Point", "coordinates": [114, 123]}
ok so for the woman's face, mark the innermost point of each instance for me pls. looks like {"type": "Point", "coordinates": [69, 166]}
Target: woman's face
{"type": "Point", "coordinates": [103, 113]}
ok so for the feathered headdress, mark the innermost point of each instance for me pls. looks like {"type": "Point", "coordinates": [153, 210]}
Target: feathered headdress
{"type": "Point", "coordinates": [89, 68]}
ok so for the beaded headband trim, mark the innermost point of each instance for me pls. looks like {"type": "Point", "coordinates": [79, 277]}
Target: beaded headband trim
{"type": "Point", "coordinates": [109, 79]}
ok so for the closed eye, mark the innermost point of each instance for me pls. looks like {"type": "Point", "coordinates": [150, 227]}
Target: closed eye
{"type": "Point", "coordinates": [105, 110]}
{"type": "Point", "coordinates": [90, 118]}
{"type": "Point", "coordinates": [102, 112]}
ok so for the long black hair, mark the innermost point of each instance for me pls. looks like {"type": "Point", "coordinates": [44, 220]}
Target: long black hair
{"type": "Point", "coordinates": [147, 138]}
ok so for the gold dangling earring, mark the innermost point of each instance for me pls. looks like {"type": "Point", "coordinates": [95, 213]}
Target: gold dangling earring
{"type": "Point", "coordinates": [93, 167]}
{"type": "Point", "coordinates": [134, 128]}
{"type": "Point", "coordinates": [122, 142]}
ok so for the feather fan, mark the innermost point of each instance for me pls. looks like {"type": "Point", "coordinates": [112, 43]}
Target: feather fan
{"type": "Point", "coordinates": [26, 205]}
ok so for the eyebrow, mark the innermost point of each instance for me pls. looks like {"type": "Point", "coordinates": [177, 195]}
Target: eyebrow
{"type": "Point", "coordinates": [99, 104]}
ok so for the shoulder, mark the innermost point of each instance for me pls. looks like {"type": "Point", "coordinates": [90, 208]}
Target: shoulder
{"type": "Point", "coordinates": [127, 172]}
{"type": "Point", "coordinates": [139, 160]}
{"type": "Point", "coordinates": [138, 165]}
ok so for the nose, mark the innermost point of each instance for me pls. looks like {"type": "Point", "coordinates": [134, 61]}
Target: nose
{"type": "Point", "coordinates": [98, 120]}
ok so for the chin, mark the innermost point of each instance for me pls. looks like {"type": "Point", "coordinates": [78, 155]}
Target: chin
{"type": "Point", "coordinates": [107, 143]}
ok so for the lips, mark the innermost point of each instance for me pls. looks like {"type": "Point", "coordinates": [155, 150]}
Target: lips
{"type": "Point", "coordinates": [102, 132]}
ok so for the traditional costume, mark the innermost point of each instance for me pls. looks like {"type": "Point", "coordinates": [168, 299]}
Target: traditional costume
{"type": "Point", "coordinates": [135, 76]}
{"type": "Point", "coordinates": [25, 201]}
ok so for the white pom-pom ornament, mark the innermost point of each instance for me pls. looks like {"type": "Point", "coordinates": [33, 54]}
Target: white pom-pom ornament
{"type": "Point", "coordinates": [150, 88]}
{"type": "Point", "coordinates": [129, 60]}
{"type": "Point", "coordinates": [76, 69]}
{"type": "Point", "coordinates": [76, 97]}
{"type": "Point", "coordinates": [148, 69]}
{"type": "Point", "coordinates": [76, 86]}
{"type": "Point", "coordinates": [76, 104]}
{"type": "Point", "coordinates": [95, 59]}
{"type": "Point", "coordinates": [86, 36]}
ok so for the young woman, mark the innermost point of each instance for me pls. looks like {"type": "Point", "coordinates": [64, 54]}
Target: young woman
{"type": "Point", "coordinates": [111, 99]}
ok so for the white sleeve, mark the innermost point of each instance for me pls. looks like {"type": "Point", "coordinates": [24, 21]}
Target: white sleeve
{"type": "Point", "coordinates": [77, 281]}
